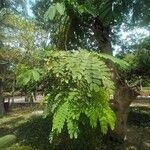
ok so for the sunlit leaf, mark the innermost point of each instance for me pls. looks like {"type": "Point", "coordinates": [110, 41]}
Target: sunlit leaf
{"type": "Point", "coordinates": [36, 75]}
{"type": "Point", "coordinates": [60, 8]}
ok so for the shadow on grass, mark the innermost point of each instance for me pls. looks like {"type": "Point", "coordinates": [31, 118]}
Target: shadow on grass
{"type": "Point", "coordinates": [13, 121]}
{"type": "Point", "coordinates": [139, 117]}
{"type": "Point", "coordinates": [35, 133]}
{"type": "Point", "coordinates": [4, 131]}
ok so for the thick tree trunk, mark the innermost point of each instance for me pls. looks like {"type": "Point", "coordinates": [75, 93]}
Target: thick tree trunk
{"type": "Point", "coordinates": [104, 45]}
{"type": "Point", "coordinates": [121, 102]}
{"type": "Point", "coordinates": [101, 34]}
{"type": "Point", "coordinates": [124, 95]}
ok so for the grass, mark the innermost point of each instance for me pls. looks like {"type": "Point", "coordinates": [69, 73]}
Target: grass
{"type": "Point", "coordinates": [139, 117]}
{"type": "Point", "coordinates": [32, 132]}
{"type": "Point", "coordinates": [7, 141]}
{"type": "Point", "coordinates": [146, 88]}
{"type": "Point", "coordinates": [13, 119]}
{"type": "Point", "coordinates": [138, 128]}
{"type": "Point", "coordinates": [11, 122]}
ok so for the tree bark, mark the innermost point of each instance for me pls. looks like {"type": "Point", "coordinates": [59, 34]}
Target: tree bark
{"type": "Point", "coordinates": [2, 109]}
{"type": "Point", "coordinates": [123, 95]}
{"type": "Point", "coordinates": [13, 90]}
{"type": "Point", "coordinates": [101, 34]}
{"type": "Point", "coordinates": [25, 94]}
{"type": "Point", "coordinates": [122, 100]}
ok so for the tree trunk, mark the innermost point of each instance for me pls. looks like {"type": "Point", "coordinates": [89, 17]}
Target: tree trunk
{"type": "Point", "coordinates": [2, 109]}
{"type": "Point", "coordinates": [122, 100]}
{"type": "Point", "coordinates": [13, 89]}
{"type": "Point", "coordinates": [123, 95]}
{"type": "Point", "coordinates": [101, 34]}
{"type": "Point", "coordinates": [26, 94]}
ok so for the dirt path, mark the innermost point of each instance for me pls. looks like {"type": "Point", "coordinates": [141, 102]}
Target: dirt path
{"type": "Point", "coordinates": [141, 103]}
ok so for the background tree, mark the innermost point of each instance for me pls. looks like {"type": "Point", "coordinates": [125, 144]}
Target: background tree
{"type": "Point", "coordinates": [3, 64]}
{"type": "Point", "coordinates": [138, 58]}
{"type": "Point", "coordinates": [21, 40]}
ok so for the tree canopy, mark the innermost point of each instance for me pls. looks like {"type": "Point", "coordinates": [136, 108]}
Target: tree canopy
{"type": "Point", "coordinates": [88, 24]}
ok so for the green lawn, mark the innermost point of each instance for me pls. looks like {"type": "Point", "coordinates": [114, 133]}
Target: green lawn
{"type": "Point", "coordinates": [9, 126]}
{"type": "Point", "coordinates": [146, 88]}
{"type": "Point", "coordinates": [31, 132]}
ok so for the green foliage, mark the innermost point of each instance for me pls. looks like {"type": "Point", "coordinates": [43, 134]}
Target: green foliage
{"type": "Point", "coordinates": [101, 9]}
{"type": "Point", "coordinates": [79, 83]}
{"type": "Point", "coordinates": [122, 64]}
{"type": "Point", "coordinates": [28, 76]}
{"type": "Point", "coordinates": [51, 12]}
{"type": "Point", "coordinates": [139, 64]}
{"type": "Point", "coordinates": [82, 15]}
{"type": "Point", "coordinates": [28, 80]}
{"type": "Point", "coordinates": [20, 45]}
{"type": "Point", "coordinates": [7, 140]}
{"type": "Point", "coordinates": [57, 7]}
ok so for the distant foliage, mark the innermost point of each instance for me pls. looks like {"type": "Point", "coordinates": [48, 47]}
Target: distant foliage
{"type": "Point", "coordinates": [139, 63]}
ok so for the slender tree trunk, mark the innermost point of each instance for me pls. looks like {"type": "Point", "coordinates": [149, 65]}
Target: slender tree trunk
{"type": "Point", "coordinates": [26, 94]}
{"type": "Point", "coordinates": [35, 93]}
{"type": "Point", "coordinates": [2, 109]}
{"type": "Point", "coordinates": [123, 95]}
{"type": "Point", "coordinates": [13, 89]}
